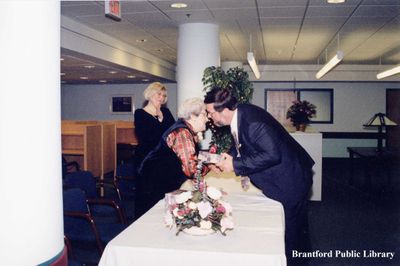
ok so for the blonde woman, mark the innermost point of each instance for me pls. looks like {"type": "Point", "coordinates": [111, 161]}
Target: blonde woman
{"type": "Point", "coordinates": [152, 120]}
{"type": "Point", "coordinates": [174, 159]}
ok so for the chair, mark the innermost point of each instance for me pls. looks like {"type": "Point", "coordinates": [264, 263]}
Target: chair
{"type": "Point", "coordinates": [125, 180]}
{"type": "Point", "coordinates": [79, 224]}
{"type": "Point", "coordinates": [71, 255]}
{"type": "Point", "coordinates": [103, 209]}
{"type": "Point", "coordinates": [69, 167]}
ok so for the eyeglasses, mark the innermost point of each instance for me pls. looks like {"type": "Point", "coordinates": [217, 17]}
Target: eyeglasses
{"type": "Point", "coordinates": [210, 114]}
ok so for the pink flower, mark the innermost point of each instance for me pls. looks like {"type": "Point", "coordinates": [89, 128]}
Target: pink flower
{"type": "Point", "coordinates": [205, 208]}
{"type": "Point", "coordinates": [213, 149]}
{"type": "Point", "coordinates": [220, 208]}
{"type": "Point", "coordinates": [176, 212]}
{"type": "Point", "coordinates": [227, 207]}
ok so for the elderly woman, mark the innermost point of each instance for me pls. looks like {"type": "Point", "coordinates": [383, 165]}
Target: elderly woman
{"type": "Point", "coordinates": [152, 120]}
{"type": "Point", "coordinates": [174, 159]}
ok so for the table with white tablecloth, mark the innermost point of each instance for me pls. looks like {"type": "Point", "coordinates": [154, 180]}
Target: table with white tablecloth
{"type": "Point", "coordinates": [257, 239]}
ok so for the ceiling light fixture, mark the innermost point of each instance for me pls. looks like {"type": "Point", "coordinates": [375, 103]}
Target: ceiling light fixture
{"type": "Point", "coordinates": [145, 80]}
{"type": "Point", "coordinates": [103, 81]}
{"type": "Point", "coordinates": [62, 74]}
{"type": "Point", "coordinates": [178, 5]}
{"type": "Point", "coordinates": [89, 66]}
{"type": "Point", "coordinates": [112, 72]}
{"type": "Point", "coordinates": [131, 76]}
{"type": "Point", "coordinates": [84, 78]}
{"type": "Point", "coordinates": [252, 62]}
{"type": "Point", "coordinates": [330, 65]}
{"type": "Point", "coordinates": [335, 1]}
{"type": "Point", "coordinates": [389, 72]}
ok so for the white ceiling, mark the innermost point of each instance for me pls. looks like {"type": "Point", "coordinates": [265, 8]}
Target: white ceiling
{"type": "Point", "coordinates": [283, 32]}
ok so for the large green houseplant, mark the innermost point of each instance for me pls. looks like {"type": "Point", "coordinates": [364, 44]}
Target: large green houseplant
{"type": "Point", "coordinates": [235, 79]}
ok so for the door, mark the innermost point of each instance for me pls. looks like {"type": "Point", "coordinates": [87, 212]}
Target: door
{"type": "Point", "coordinates": [393, 113]}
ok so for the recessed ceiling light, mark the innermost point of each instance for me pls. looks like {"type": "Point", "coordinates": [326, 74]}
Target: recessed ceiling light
{"type": "Point", "coordinates": [61, 59]}
{"type": "Point", "coordinates": [178, 5]}
{"type": "Point", "coordinates": [103, 81]}
{"type": "Point", "coordinates": [335, 1]}
{"type": "Point", "coordinates": [89, 66]}
{"type": "Point", "coordinates": [145, 80]}
{"type": "Point", "coordinates": [131, 76]}
{"type": "Point", "coordinates": [141, 40]}
{"type": "Point", "coordinates": [62, 74]}
{"type": "Point", "coordinates": [112, 72]}
{"type": "Point", "coordinates": [84, 78]}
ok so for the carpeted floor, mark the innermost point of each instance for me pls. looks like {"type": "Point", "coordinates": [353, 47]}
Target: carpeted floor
{"type": "Point", "coordinates": [355, 223]}
{"type": "Point", "coordinates": [350, 223]}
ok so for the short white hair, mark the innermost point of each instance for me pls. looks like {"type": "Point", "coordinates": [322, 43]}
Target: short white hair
{"type": "Point", "coordinates": [192, 106]}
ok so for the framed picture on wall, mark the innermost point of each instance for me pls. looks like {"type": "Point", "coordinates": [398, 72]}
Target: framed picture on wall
{"type": "Point", "coordinates": [122, 104]}
{"type": "Point", "coordinates": [277, 102]}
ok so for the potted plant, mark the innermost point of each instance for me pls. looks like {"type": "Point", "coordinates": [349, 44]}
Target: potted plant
{"type": "Point", "coordinates": [300, 113]}
{"type": "Point", "coordinates": [237, 80]}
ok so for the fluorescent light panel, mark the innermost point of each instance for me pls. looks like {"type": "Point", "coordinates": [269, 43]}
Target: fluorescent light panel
{"type": "Point", "coordinates": [253, 64]}
{"type": "Point", "coordinates": [335, 1]}
{"type": "Point", "coordinates": [331, 64]}
{"type": "Point", "coordinates": [389, 72]}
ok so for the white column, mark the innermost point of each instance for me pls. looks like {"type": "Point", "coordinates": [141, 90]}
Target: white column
{"type": "Point", "coordinates": [198, 48]}
{"type": "Point", "coordinates": [31, 224]}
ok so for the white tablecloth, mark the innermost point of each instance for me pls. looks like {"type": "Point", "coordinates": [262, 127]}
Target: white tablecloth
{"type": "Point", "coordinates": [257, 239]}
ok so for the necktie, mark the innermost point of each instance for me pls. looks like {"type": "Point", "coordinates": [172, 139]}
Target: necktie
{"type": "Point", "coordinates": [237, 144]}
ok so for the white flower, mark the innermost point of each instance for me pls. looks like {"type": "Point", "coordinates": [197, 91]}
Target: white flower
{"type": "Point", "coordinates": [168, 219]}
{"type": "Point", "coordinates": [205, 208]}
{"type": "Point", "coordinates": [205, 224]}
{"type": "Point", "coordinates": [183, 197]}
{"type": "Point", "coordinates": [214, 193]}
{"type": "Point", "coordinates": [176, 214]}
{"type": "Point", "coordinates": [226, 223]}
{"type": "Point", "coordinates": [192, 205]}
{"type": "Point", "coordinates": [227, 206]}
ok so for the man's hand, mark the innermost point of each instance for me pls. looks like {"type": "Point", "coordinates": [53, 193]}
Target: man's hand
{"type": "Point", "coordinates": [226, 164]}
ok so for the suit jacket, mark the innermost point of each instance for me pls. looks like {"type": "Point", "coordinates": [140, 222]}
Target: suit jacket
{"type": "Point", "coordinates": [270, 157]}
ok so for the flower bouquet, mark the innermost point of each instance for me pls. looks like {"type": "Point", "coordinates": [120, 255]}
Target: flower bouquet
{"type": "Point", "coordinates": [201, 211]}
{"type": "Point", "coordinates": [300, 113]}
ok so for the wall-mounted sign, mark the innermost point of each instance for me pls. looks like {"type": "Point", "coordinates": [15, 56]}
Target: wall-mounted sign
{"type": "Point", "coordinates": [113, 9]}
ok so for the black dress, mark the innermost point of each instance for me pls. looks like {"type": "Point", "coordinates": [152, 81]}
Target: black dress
{"type": "Point", "coordinates": [149, 130]}
{"type": "Point", "coordinates": [160, 172]}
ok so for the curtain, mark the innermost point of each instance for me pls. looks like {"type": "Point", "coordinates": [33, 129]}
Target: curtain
{"type": "Point", "coordinates": [278, 102]}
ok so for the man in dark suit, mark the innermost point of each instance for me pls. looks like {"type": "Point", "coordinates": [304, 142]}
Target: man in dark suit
{"type": "Point", "coordinates": [266, 153]}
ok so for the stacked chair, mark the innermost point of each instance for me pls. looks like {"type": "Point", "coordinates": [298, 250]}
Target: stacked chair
{"type": "Point", "coordinates": [90, 221]}
{"type": "Point", "coordinates": [81, 229]}
{"type": "Point", "coordinates": [103, 209]}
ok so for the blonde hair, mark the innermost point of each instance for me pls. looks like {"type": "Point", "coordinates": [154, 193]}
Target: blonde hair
{"type": "Point", "coordinates": [153, 88]}
{"type": "Point", "coordinates": [192, 106]}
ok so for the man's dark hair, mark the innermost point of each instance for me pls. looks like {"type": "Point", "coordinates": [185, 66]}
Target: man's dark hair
{"type": "Point", "coordinates": [221, 98]}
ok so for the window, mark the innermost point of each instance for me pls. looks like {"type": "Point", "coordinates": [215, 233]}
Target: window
{"type": "Point", "coordinates": [122, 104]}
{"type": "Point", "coordinates": [277, 101]}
